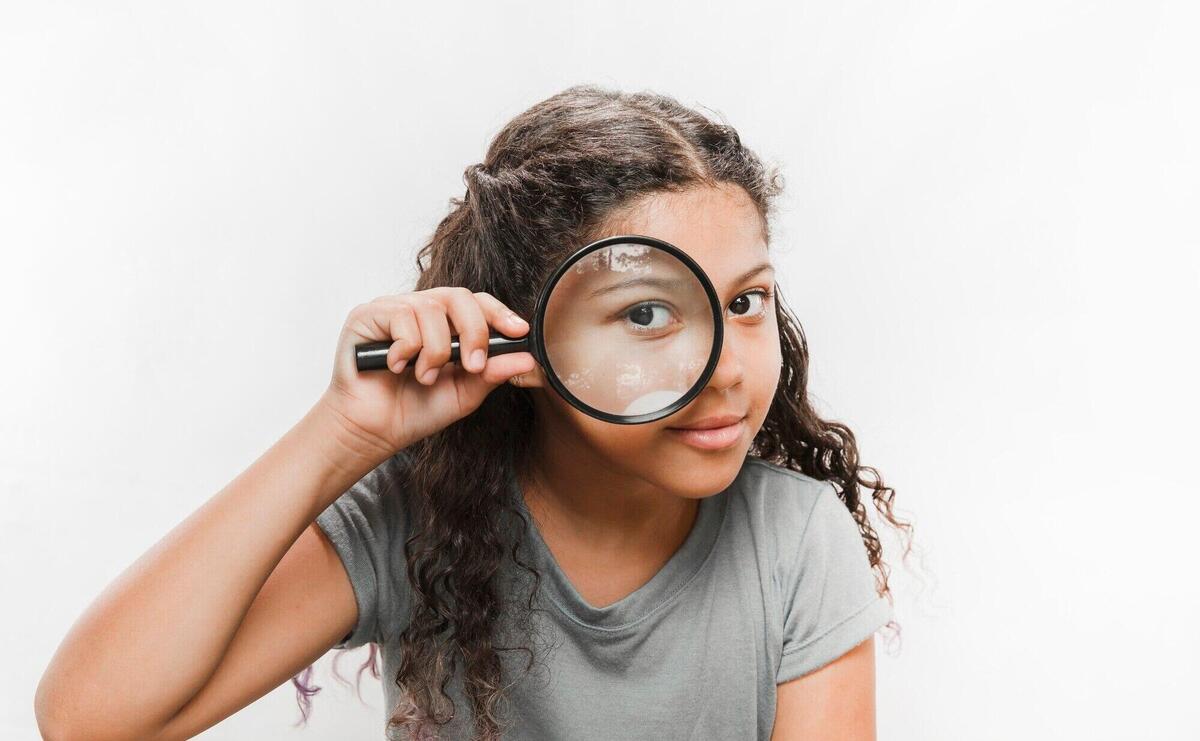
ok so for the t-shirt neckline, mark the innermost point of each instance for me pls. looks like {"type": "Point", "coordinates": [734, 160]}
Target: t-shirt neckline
{"type": "Point", "coordinates": [662, 588]}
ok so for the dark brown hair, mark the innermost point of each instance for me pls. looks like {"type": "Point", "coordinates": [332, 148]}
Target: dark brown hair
{"type": "Point", "coordinates": [553, 179]}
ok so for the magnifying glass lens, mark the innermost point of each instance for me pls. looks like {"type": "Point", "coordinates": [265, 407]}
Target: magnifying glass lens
{"type": "Point", "coordinates": [628, 329]}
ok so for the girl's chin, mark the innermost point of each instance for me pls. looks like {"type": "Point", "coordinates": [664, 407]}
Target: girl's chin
{"type": "Point", "coordinates": [698, 474]}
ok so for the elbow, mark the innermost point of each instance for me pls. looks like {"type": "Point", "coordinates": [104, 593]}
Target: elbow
{"type": "Point", "coordinates": [49, 723]}
{"type": "Point", "coordinates": [52, 721]}
{"type": "Point", "coordinates": [57, 722]}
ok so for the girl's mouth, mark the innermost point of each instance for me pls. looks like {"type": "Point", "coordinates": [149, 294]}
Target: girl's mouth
{"type": "Point", "coordinates": [715, 438]}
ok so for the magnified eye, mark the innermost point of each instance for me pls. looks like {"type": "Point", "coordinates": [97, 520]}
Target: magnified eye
{"type": "Point", "coordinates": [648, 317]}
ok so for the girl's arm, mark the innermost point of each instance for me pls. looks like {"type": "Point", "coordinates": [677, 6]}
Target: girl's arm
{"type": "Point", "coordinates": [193, 630]}
{"type": "Point", "coordinates": [237, 598]}
{"type": "Point", "coordinates": [833, 703]}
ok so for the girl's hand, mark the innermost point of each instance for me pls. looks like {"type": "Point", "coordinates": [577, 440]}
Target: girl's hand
{"type": "Point", "coordinates": [389, 409]}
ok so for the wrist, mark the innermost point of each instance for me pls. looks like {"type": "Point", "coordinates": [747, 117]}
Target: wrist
{"type": "Point", "coordinates": [345, 445]}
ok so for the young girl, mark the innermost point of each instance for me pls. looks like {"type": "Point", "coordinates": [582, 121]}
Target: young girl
{"type": "Point", "coordinates": [527, 570]}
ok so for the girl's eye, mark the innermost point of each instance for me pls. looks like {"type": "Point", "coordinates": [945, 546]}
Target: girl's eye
{"type": "Point", "coordinates": [741, 305]}
{"type": "Point", "coordinates": [648, 317]}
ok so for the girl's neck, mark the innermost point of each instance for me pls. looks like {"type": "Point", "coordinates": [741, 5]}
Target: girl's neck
{"type": "Point", "coordinates": [596, 509]}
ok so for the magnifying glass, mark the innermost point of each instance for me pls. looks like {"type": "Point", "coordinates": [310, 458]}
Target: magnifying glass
{"type": "Point", "coordinates": [628, 330]}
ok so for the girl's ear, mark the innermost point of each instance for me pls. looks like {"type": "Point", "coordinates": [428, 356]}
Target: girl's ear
{"type": "Point", "coordinates": [533, 379]}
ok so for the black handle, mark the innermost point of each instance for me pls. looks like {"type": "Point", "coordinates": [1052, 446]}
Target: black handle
{"type": "Point", "coordinates": [373, 355]}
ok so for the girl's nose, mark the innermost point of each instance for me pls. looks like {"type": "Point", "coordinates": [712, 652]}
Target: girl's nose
{"type": "Point", "coordinates": [729, 370]}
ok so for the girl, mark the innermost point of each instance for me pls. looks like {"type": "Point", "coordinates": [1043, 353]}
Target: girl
{"type": "Point", "coordinates": [526, 569]}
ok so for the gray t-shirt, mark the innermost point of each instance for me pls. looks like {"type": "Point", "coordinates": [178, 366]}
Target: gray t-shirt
{"type": "Point", "coordinates": [771, 583]}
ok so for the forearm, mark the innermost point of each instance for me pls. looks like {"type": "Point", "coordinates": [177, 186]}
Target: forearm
{"type": "Point", "coordinates": [157, 633]}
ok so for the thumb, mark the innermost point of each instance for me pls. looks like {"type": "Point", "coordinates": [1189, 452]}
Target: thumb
{"type": "Point", "coordinates": [475, 386]}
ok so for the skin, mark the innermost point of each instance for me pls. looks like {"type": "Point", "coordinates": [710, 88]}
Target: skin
{"type": "Point", "coordinates": [834, 703]}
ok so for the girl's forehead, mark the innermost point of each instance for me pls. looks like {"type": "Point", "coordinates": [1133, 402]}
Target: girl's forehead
{"type": "Point", "coordinates": [721, 229]}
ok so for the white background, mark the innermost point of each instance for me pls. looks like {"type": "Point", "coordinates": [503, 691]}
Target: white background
{"type": "Point", "coordinates": [989, 234]}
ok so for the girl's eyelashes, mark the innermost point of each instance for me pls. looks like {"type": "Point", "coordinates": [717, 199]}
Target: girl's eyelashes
{"type": "Point", "coordinates": [743, 308]}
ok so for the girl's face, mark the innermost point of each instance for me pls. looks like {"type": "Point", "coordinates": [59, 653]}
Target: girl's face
{"type": "Point", "coordinates": [722, 231]}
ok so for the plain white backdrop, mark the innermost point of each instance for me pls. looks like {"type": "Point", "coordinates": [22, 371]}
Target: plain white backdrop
{"type": "Point", "coordinates": [989, 234]}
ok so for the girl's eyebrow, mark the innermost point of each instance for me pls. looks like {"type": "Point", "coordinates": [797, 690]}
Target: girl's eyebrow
{"type": "Point", "coordinates": [672, 284]}
{"type": "Point", "coordinates": [754, 271]}
{"type": "Point", "coordinates": [661, 283]}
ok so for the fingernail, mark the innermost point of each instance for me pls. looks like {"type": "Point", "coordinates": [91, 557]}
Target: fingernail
{"type": "Point", "coordinates": [478, 358]}
{"type": "Point", "coordinates": [431, 375]}
{"type": "Point", "coordinates": [512, 317]}
{"type": "Point", "coordinates": [400, 366]}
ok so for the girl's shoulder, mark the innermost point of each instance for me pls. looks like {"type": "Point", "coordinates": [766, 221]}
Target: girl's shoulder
{"type": "Point", "coordinates": [783, 492]}
{"type": "Point", "coordinates": [793, 511]}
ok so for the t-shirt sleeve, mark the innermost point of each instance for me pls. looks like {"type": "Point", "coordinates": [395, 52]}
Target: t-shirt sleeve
{"type": "Point", "coordinates": [368, 526]}
{"type": "Point", "coordinates": [830, 602]}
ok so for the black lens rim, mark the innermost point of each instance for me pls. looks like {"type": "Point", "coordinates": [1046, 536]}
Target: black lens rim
{"type": "Point", "coordinates": [540, 342]}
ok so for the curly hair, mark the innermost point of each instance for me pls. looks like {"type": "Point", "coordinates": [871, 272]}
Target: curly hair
{"type": "Point", "coordinates": [556, 177]}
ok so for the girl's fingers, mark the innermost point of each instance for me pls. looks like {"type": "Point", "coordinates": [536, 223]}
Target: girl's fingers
{"type": "Point", "coordinates": [435, 338]}
{"type": "Point", "coordinates": [501, 368]}
{"type": "Point", "coordinates": [391, 319]}
{"type": "Point", "coordinates": [470, 324]}
{"type": "Point", "coordinates": [405, 334]}
{"type": "Point", "coordinates": [422, 324]}
{"type": "Point", "coordinates": [500, 316]}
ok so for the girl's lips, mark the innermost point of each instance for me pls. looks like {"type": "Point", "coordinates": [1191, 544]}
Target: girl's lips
{"type": "Point", "coordinates": [711, 439]}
